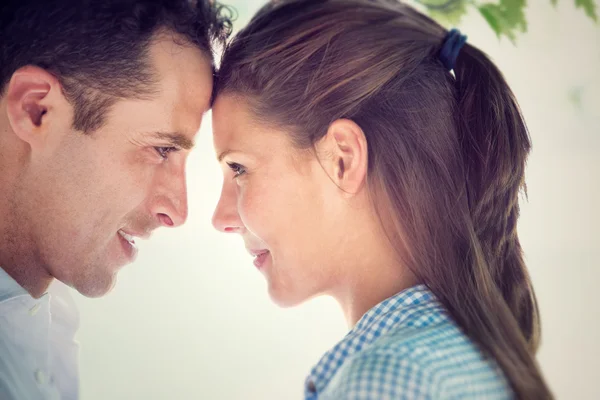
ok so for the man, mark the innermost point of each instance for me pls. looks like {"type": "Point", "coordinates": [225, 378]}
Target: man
{"type": "Point", "coordinates": [100, 101]}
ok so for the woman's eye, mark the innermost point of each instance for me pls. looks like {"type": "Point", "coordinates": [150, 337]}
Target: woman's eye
{"type": "Point", "coordinates": [237, 169]}
{"type": "Point", "coordinates": [164, 151]}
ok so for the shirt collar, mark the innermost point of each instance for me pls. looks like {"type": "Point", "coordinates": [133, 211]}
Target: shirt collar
{"type": "Point", "coordinates": [29, 318]}
{"type": "Point", "coordinates": [63, 305]}
{"type": "Point", "coordinates": [373, 324]}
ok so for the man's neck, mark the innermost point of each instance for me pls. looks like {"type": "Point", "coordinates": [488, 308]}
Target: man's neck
{"type": "Point", "coordinates": [17, 257]}
{"type": "Point", "coordinates": [31, 277]}
{"type": "Point", "coordinates": [36, 286]}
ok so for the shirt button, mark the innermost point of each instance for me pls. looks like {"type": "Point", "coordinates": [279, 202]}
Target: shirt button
{"type": "Point", "coordinates": [40, 377]}
{"type": "Point", "coordinates": [33, 310]}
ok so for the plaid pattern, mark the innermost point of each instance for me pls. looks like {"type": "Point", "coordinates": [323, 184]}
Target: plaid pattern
{"type": "Point", "coordinates": [406, 347]}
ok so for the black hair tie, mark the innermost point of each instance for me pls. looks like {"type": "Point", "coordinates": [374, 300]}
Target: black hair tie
{"type": "Point", "coordinates": [453, 42]}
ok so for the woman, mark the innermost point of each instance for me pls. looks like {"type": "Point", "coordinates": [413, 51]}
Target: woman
{"type": "Point", "coordinates": [359, 166]}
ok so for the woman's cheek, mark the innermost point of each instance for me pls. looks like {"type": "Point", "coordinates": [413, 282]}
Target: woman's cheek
{"type": "Point", "coordinates": [249, 208]}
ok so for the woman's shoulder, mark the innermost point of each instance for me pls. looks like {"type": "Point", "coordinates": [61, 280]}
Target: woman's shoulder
{"type": "Point", "coordinates": [435, 361]}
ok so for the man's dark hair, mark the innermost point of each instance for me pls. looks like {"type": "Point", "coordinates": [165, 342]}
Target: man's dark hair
{"type": "Point", "coordinates": [98, 49]}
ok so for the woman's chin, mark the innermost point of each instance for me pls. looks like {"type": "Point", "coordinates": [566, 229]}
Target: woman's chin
{"type": "Point", "coordinates": [285, 299]}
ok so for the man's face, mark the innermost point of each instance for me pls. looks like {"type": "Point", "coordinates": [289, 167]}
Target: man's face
{"type": "Point", "coordinates": [84, 197]}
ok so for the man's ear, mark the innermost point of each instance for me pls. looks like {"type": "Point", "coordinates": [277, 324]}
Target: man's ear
{"type": "Point", "coordinates": [347, 155]}
{"type": "Point", "coordinates": [32, 94]}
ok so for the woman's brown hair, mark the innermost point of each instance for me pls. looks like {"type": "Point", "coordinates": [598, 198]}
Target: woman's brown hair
{"type": "Point", "coordinates": [446, 152]}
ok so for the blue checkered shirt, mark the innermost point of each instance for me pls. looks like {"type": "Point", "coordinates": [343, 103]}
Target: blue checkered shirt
{"type": "Point", "coordinates": [406, 347]}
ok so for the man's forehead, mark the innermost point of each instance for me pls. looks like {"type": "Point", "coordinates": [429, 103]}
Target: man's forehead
{"type": "Point", "coordinates": [185, 74]}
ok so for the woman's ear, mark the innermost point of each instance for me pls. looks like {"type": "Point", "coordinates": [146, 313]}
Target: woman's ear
{"type": "Point", "coordinates": [347, 155]}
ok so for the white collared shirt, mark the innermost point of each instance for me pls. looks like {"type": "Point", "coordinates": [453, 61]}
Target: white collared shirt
{"type": "Point", "coordinates": [38, 353]}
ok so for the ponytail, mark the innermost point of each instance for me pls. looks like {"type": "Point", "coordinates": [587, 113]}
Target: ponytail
{"type": "Point", "coordinates": [500, 309]}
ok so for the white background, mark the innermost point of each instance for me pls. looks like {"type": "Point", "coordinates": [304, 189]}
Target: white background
{"type": "Point", "coordinates": [191, 319]}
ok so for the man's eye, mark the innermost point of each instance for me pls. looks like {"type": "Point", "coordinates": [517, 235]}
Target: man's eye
{"type": "Point", "coordinates": [237, 169]}
{"type": "Point", "coordinates": [164, 151]}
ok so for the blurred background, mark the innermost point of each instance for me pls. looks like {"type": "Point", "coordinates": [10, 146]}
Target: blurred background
{"type": "Point", "coordinates": [191, 318]}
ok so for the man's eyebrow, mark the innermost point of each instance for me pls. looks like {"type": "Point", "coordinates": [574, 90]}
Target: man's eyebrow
{"type": "Point", "coordinates": [176, 139]}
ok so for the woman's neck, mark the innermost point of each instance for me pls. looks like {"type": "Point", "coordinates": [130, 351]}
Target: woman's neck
{"type": "Point", "coordinates": [371, 276]}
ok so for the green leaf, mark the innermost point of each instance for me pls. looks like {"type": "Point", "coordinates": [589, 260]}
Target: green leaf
{"type": "Point", "coordinates": [513, 11]}
{"type": "Point", "coordinates": [589, 6]}
{"type": "Point", "coordinates": [575, 96]}
{"type": "Point", "coordinates": [448, 12]}
{"type": "Point", "coordinates": [554, 2]}
{"type": "Point", "coordinates": [492, 15]}
{"type": "Point", "coordinates": [506, 18]}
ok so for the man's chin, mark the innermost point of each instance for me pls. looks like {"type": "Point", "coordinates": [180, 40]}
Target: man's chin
{"type": "Point", "coordinates": [98, 287]}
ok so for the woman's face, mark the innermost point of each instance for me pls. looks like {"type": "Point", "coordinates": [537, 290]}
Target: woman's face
{"type": "Point", "coordinates": [280, 200]}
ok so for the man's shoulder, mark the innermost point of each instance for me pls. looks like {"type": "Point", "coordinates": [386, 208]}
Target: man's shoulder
{"type": "Point", "coordinates": [34, 335]}
{"type": "Point", "coordinates": [19, 377]}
